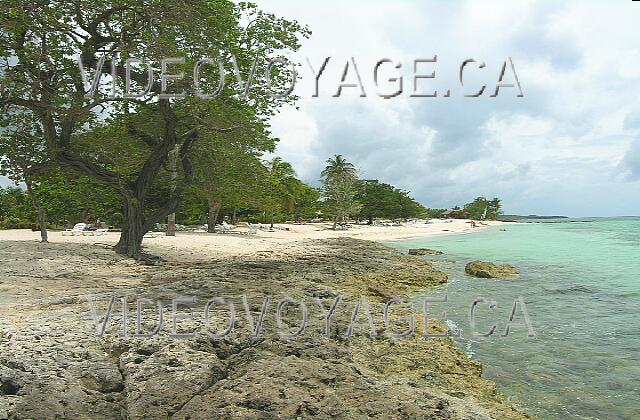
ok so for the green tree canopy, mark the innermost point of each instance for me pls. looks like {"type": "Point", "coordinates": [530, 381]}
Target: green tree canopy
{"type": "Point", "coordinates": [124, 144]}
{"type": "Point", "coordinates": [340, 185]}
{"type": "Point", "coordinates": [380, 200]}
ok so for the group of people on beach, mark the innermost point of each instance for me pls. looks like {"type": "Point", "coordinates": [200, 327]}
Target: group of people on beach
{"type": "Point", "coordinates": [91, 225]}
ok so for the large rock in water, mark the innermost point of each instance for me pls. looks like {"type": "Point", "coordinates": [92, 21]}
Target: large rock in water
{"type": "Point", "coordinates": [489, 270]}
{"type": "Point", "coordinates": [424, 251]}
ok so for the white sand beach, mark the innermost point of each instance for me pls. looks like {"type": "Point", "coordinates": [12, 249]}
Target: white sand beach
{"type": "Point", "coordinates": [202, 245]}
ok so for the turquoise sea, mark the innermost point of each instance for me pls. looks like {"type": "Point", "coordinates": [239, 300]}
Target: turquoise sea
{"type": "Point", "coordinates": [580, 280]}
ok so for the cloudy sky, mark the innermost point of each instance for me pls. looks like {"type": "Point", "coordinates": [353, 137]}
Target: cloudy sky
{"type": "Point", "coordinates": [570, 146]}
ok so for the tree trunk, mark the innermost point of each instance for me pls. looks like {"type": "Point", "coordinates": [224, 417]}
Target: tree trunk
{"type": "Point", "coordinates": [130, 243]}
{"type": "Point", "coordinates": [42, 217]}
{"type": "Point", "coordinates": [172, 163]}
{"type": "Point", "coordinates": [335, 222]}
{"type": "Point", "coordinates": [212, 216]}
{"type": "Point", "coordinates": [234, 218]}
{"type": "Point", "coordinates": [171, 225]}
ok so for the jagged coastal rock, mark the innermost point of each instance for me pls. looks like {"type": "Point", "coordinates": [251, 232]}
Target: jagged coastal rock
{"type": "Point", "coordinates": [53, 366]}
{"type": "Point", "coordinates": [424, 251]}
{"type": "Point", "coordinates": [488, 270]}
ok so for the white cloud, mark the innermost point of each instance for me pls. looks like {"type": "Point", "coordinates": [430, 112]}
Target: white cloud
{"type": "Point", "coordinates": [567, 147]}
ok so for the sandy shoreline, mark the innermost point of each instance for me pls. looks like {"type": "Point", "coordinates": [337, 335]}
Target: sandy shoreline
{"type": "Point", "coordinates": [202, 245]}
{"type": "Point", "coordinates": [52, 365]}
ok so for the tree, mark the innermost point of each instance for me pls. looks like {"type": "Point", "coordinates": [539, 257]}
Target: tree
{"type": "Point", "coordinates": [383, 200]}
{"type": "Point", "coordinates": [228, 169]}
{"type": "Point", "coordinates": [305, 200]}
{"type": "Point", "coordinates": [21, 155]}
{"type": "Point", "coordinates": [39, 42]}
{"type": "Point", "coordinates": [481, 208]}
{"type": "Point", "coordinates": [70, 198]}
{"type": "Point", "coordinates": [435, 213]}
{"type": "Point", "coordinates": [280, 184]}
{"type": "Point", "coordinates": [495, 209]}
{"type": "Point", "coordinates": [16, 210]}
{"type": "Point", "coordinates": [339, 180]}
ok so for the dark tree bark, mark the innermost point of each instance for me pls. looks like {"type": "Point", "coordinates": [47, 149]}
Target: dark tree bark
{"type": "Point", "coordinates": [212, 216]}
{"type": "Point", "coordinates": [82, 215]}
{"type": "Point", "coordinates": [41, 214]}
{"type": "Point", "coordinates": [130, 243]}
{"type": "Point", "coordinates": [173, 170]}
{"type": "Point", "coordinates": [135, 222]}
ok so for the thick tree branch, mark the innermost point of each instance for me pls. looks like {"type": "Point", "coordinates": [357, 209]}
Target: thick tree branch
{"type": "Point", "coordinates": [169, 207]}
{"type": "Point", "coordinates": [216, 129]}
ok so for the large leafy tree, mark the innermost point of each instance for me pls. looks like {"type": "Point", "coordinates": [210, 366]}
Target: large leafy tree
{"type": "Point", "coordinates": [39, 42]}
{"type": "Point", "coordinates": [70, 198]}
{"type": "Point", "coordinates": [384, 200]}
{"type": "Point", "coordinates": [16, 210]}
{"type": "Point", "coordinates": [340, 185]}
{"type": "Point", "coordinates": [22, 157]}
{"type": "Point", "coordinates": [228, 169]}
{"type": "Point", "coordinates": [305, 200]}
{"type": "Point", "coordinates": [481, 208]}
{"type": "Point", "coordinates": [279, 188]}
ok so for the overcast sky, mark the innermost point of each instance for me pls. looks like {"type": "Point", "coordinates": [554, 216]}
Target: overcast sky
{"type": "Point", "coordinates": [569, 146]}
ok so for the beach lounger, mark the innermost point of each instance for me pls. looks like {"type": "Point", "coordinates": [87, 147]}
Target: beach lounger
{"type": "Point", "coordinates": [224, 228]}
{"type": "Point", "coordinates": [78, 228]}
{"type": "Point", "coordinates": [253, 230]}
{"type": "Point", "coordinates": [96, 232]}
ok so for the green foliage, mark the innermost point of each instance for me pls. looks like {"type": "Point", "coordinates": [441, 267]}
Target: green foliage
{"type": "Point", "coordinates": [279, 189]}
{"type": "Point", "coordinates": [121, 143]}
{"type": "Point", "coordinates": [380, 200]}
{"type": "Point", "coordinates": [483, 209]}
{"type": "Point", "coordinates": [305, 200]}
{"type": "Point", "coordinates": [340, 185]}
{"type": "Point", "coordinates": [69, 199]}
{"type": "Point", "coordinates": [16, 211]}
{"type": "Point", "coordinates": [435, 213]}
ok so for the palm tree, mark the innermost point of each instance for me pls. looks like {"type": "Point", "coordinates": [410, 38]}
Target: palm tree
{"type": "Point", "coordinates": [338, 168]}
{"type": "Point", "coordinates": [339, 178]}
{"type": "Point", "coordinates": [281, 180]}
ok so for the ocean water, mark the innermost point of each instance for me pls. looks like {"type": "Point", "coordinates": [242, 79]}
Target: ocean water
{"type": "Point", "coordinates": [580, 281]}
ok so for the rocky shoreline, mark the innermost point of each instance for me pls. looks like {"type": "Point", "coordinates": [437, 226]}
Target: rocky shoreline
{"type": "Point", "coordinates": [52, 364]}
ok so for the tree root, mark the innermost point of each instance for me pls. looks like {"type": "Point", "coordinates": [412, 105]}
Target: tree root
{"type": "Point", "coordinates": [147, 259]}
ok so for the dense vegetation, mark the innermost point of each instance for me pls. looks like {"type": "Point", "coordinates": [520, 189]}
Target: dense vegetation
{"type": "Point", "coordinates": [134, 162]}
{"type": "Point", "coordinates": [250, 189]}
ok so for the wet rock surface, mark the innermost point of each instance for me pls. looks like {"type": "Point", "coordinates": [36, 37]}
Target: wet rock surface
{"type": "Point", "coordinates": [424, 251]}
{"type": "Point", "coordinates": [490, 270]}
{"type": "Point", "coordinates": [54, 366]}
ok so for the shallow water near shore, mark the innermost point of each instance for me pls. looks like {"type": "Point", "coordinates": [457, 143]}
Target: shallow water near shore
{"type": "Point", "coordinates": [580, 281]}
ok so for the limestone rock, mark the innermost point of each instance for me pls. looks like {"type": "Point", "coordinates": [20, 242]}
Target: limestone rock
{"type": "Point", "coordinates": [488, 270]}
{"type": "Point", "coordinates": [424, 251]}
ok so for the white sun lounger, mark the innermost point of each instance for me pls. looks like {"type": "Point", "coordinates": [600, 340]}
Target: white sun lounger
{"type": "Point", "coordinates": [253, 230]}
{"type": "Point", "coordinates": [96, 232]}
{"type": "Point", "coordinates": [78, 228]}
{"type": "Point", "coordinates": [225, 228]}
